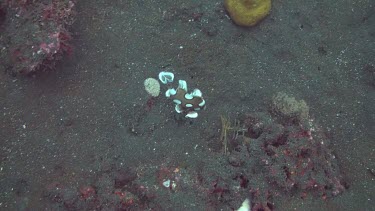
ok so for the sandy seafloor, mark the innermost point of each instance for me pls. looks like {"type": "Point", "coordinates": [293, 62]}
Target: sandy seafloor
{"type": "Point", "coordinates": [67, 125]}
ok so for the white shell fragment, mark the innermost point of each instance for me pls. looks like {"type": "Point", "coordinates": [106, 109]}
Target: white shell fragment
{"type": "Point", "coordinates": [245, 206]}
{"type": "Point", "coordinates": [182, 85]}
{"type": "Point", "coordinates": [192, 114]}
{"type": "Point", "coordinates": [167, 183]}
{"type": "Point", "coordinates": [166, 77]}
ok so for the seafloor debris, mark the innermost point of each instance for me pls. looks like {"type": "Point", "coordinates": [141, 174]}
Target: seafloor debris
{"type": "Point", "coordinates": [288, 109]}
{"type": "Point", "coordinates": [285, 159]}
{"type": "Point", "coordinates": [34, 34]}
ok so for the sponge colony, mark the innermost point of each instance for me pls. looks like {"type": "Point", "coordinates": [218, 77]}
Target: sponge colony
{"type": "Point", "coordinates": [152, 86]}
{"type": "Point", "coordinates": [247, 12]}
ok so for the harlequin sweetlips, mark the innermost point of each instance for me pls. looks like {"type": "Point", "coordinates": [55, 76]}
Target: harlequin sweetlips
{"type": "Point", "coordinates": [166, 77]}
{"type": "Point", "coordinates": [186, 103]}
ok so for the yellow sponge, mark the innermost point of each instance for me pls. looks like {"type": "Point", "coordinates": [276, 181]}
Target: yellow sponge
{"type": "Point", "coordinates": [247, 12]}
